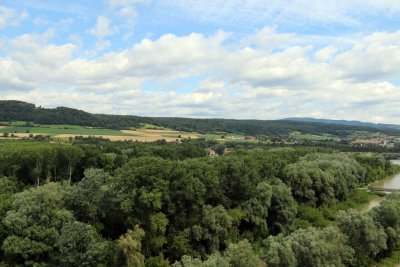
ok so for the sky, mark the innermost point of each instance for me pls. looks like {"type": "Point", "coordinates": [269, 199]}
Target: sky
{"type": "Point", "coordinates": [254, 59]}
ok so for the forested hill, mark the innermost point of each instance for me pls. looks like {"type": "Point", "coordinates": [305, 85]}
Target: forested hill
{"type": "Point", "coordinates": [344, 122]}
{"type": "Point", "coordinates": [21, 111]}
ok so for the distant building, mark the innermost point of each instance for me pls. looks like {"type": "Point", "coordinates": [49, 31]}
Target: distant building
{"type": "Point", "coordinates": [251, 138]}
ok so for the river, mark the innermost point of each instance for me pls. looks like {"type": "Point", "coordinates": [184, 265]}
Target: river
{"type": "Point", "coordinates": [392, 182]}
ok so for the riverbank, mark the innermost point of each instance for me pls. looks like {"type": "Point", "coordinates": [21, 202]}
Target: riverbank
{"type": "Point", "coordinates": [390, 183]}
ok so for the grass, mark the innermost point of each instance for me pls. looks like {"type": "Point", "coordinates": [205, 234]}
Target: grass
{"type": "Point", "coordinates": [61, 129]}
{"type": "Point", "coordinates": [226, 137]}
{"type": "Point", "coordinates": [311, 137]}
{"type": "Point", "coordinates": [146, 133]}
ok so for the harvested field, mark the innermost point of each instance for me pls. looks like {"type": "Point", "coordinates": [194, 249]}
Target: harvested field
{"type": "Point", "coordinates": [67, 131]}
{"type": "Point", "coordinates": [367, 141]}
{"type": "Point", "coordinates": [159, 131]}
{"type": "Point", "coordinates": [142, 134]}
{"type": "Point", "coordinates": [120, 138]}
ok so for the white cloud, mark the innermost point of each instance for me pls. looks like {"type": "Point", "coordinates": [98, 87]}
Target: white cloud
{"type": "Point", "coordinates": [103, 44]}
{"type": "Point", "coordinates": [10, 16]}
{"type": "Point", "coordinates": [126, 15]}
{"type": "Point", "coordinates": [248, 79]}
{"type": "Point", "coordinates": [268, 39]}
{"type": "Point", "coordinates": [376, 57]}
{"type": "Point", "coordinates": [326, 53]}
{"type": "Point", "coordinates": [102, 28]}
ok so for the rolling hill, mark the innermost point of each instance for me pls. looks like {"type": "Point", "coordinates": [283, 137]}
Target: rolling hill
{"type": "Point", "coordinates": [344, 122]}
{"type": "Point", "coordinates": [11, 110]}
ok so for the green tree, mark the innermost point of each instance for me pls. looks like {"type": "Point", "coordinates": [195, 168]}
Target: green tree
{"type": "Point", "coordinates": [256, 210]}
{"type": "Point", "coordinates": [88, 198]}
{"type": "Point", "coordinates": [220, 149]}
{"type": "Point", "coordinates": [365, 236]}
{"type": "Point", "coordinates": [140, 189]}
{"type": "Point", "coordinates": [8, 187]}
{"type": "Point", "coordinates": [309, 183]}
{"type": "Point", "coordinates": [326, 247]}
{"type": "Point", "coordinates": [277, 251]}
{"type": "Point", "coordinates": [283, 208]}
{"type": "Point", "coordinates": [214, 228]}
{"type": "Point", "coordinates": [79, 244]}
{"type": "Point", "coordinates": [34, 224]}
{"type": "Point", "coordinates": [241, 255]}
{"type": "Point", "coordinates": [388, 215]}
{"type": "Point", "coordinates": [72, 156]}
{"type": "Point", "coordinates": [214, 260]}
{"type": "Point", "coordinates": [129, 248]}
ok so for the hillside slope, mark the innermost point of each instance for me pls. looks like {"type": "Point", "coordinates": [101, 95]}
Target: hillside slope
{"type": "Point", "coordinates": [21, 111]}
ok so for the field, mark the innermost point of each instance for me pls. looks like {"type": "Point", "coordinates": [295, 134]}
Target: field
{"type": "Point", "coordinates": [311, 137]}
{"type": "Point", "coordinates": [55, 130]}
{"type": "Point", "coordinates": [224, 137]}
{"type": "Point", "coordinates": [148, 133]}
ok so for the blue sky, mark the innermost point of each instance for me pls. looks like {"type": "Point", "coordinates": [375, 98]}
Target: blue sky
{"type": "Point", "coordinates": [234, 59]}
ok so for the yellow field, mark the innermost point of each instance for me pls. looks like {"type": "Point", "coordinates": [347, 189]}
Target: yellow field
{"type": "Point", "coordinates": [121, 138]}
{"type": "Point", "coordinates": [367, 141]}
{"type": "Point", "coordinates": [157, 131]}
{"type": "Point", "coordinates": [140, 135]}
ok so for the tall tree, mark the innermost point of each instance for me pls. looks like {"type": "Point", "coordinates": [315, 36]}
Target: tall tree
{"type": "Point", "coordinates": [79, 244]}
{"type": "Point", "coordinates": [366, 237]}
{"type": "Point", "coordinates": [34, 224]}
{"type": "Point", "coordinates": [129, 248]}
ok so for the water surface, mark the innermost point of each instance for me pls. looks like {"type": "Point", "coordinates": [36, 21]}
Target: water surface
{"type": "Point", "coordinates": [392, 182]}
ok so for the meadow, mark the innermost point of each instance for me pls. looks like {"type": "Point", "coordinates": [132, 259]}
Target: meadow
{"type": "Point", "coordinates": [147, 133]}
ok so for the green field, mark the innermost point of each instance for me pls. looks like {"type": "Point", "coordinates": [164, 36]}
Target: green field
{"type": "Point", "coordinates": [147, 132]}
{"type": "Point", "coordinates": [61, 129]}
{"type": "Point", "coordinates": [311, 137]}
{"type": "Point", "coordinates": [226, 137]}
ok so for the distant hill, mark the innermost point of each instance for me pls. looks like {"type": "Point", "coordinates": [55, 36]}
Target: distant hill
{"type": "Point", "coordinates": [344, 122]}
{"type": "Point", "coordinates": [21, 111]}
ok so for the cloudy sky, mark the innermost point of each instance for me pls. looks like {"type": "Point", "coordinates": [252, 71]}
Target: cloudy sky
{"type": "Point", "coordinates": [253, 59]}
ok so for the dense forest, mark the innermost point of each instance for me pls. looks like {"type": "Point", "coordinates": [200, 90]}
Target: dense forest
{"type": "Point", "coordinates": [21, 111]}
{"type": "Point", "coordinates": [97, 203]}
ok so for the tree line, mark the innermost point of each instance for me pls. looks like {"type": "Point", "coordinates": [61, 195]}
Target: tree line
{"type": "Point", "coordinates": [97, 203]}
